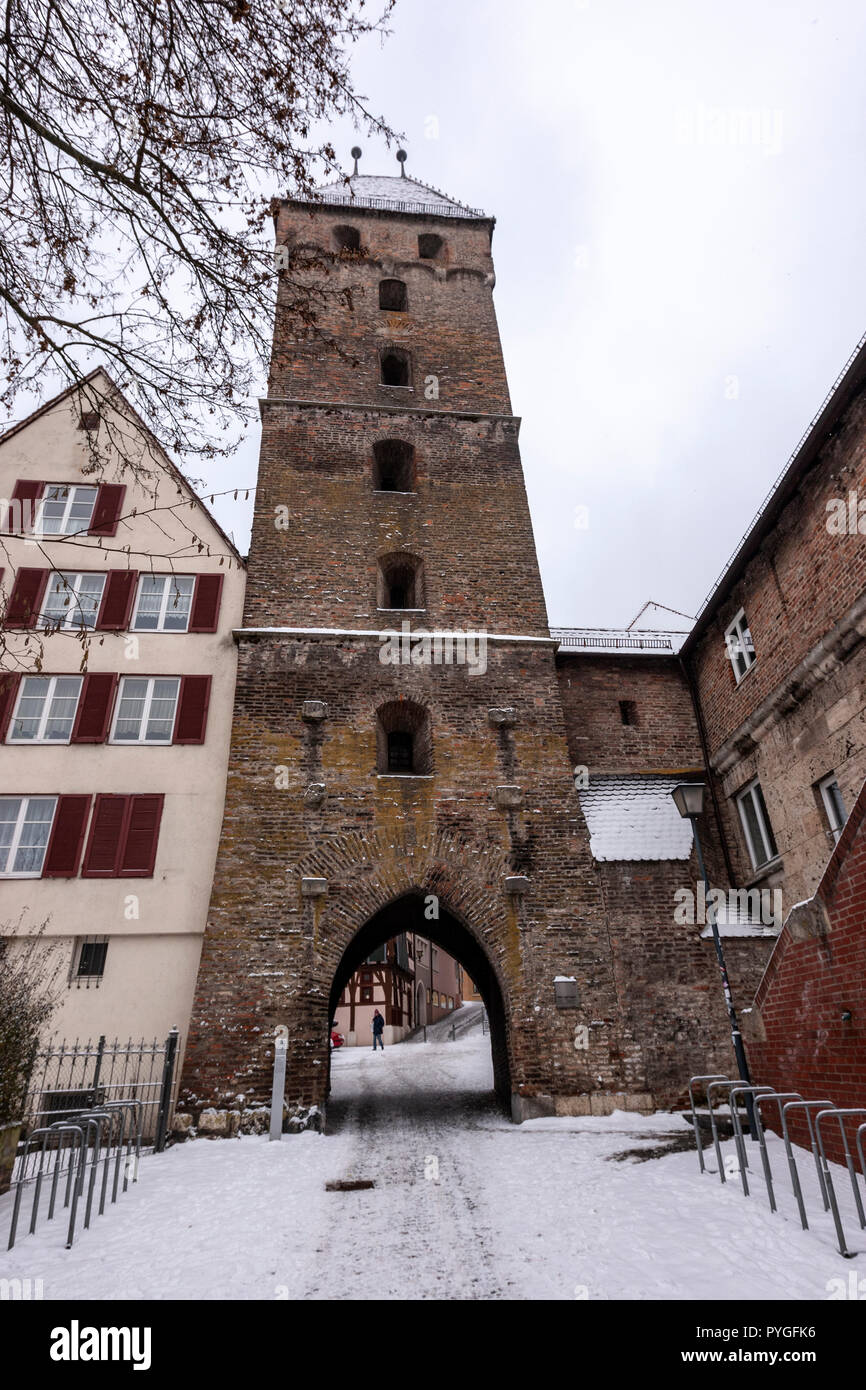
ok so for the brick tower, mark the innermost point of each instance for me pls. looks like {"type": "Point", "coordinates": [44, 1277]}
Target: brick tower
{"type": "Point", "coordinates": [384, 784]}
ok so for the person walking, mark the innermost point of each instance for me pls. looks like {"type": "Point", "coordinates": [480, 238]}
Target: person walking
{"type": "Point", "coordinates": [378, 1030]}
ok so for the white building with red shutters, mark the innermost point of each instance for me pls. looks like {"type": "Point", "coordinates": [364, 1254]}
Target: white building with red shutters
{"type": "Point", "coordinates": [118, 594]}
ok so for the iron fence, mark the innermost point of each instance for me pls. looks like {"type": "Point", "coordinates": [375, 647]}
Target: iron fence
{"type": "Point", "coordinates": [91, 1108]}
{"type": "Point", "coordinates": [70, 1077]}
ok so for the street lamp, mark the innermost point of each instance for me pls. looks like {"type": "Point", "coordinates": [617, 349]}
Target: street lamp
{"type": "Point", "coordinates": [689, 801]}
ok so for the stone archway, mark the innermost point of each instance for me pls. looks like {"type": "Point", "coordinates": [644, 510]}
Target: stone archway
{"type": "Point", "coordinates": [429, 916]}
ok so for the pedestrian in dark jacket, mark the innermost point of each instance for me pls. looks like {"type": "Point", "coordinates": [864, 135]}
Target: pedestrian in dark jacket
{"type": "Point", "coordinates": [378, 1029]}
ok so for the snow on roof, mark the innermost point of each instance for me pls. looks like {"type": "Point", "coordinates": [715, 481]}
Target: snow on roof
{"type": "Point", "coordinates": [737, 925]}
{"type": "Point", "coordinates": [634, 817]}
{"type": "Point", "coordinates": [606, 641]}
{"type": "Point", "coordinates": [394, 195]}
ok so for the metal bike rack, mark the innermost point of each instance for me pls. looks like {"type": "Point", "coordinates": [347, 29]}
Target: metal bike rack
{"type": "Point", "coordinates": [754, 1092]}
{"type": "Point", "coordinates": [805, 1106]}
{"type": "Point", "coordinates": [693, 1082]}
{"type": "Point", "coordinates": [95, 1136]}
{"type": "Point", "coordinates": [841, 1115]}
{"type": "Point", "coordinates": [778, 1097]}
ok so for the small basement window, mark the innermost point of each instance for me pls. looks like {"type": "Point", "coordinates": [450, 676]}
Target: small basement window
{"type": "Point", "coordinates": [91, 962]}
{"type": "Point", "coordinates": [393, 466]}
{"type": "Point", "coordinates": [347, 238]}
{"type": "Point", "coordinates": [393, 296]}
{"type": "Point", "coordinates": [395, 367]}
{"type": "Point", "coordinates": [429, 245]}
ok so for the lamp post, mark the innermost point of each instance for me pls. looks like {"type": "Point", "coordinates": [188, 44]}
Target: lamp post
{"type": "Point", "coordinates": [689, 801]}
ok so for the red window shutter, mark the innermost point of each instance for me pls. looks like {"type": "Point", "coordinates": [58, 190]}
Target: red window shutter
{"type": "Point", "coordinates": [25, 600]}
{"type": "Point", "coordinates": [116, 606]}
{"type": "Point", "coordinates": [142, 832]}
{"type": "Point", "coordinates": [8, 691]}
{"type": "Point", "coordinates": [94, 707]}
{"type": "Point", "coordinates": [21, 518]}
{"type": "Point", "coordinates": [106, 836]}
{"type": "Point", "coordinates": [67, 836]}
{"type": "Point", "coordinates": [106, 513]}
{"type": "Point", "coordinates": [206, 603]}
{"type": "Point", "coordinates": [192, 706]}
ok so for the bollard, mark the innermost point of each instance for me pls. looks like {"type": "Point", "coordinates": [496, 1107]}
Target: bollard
{"type": "Point", "coordinates": [281, 1047]}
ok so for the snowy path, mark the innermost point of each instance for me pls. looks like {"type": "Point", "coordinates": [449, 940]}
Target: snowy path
{"type": "Point", "coordinates": [465, 1206]}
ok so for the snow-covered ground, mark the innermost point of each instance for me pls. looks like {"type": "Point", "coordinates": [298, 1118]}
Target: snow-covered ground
{"type": "Point", "coordinates": [466, 1205]}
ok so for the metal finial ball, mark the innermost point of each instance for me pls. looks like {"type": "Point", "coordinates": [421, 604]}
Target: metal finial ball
{"type": "Point", "coordinates": [402, 156]}
{"type": "Point", "coordinates": [356, 152]}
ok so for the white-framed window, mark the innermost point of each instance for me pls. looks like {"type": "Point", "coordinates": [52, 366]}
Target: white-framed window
{"type": "Point", "coordinates": [756, 825]}
{"type": "Point", "coordinates": [45, 709]}
{"type": "Point", "coordinates": [146, 706]}
{"type": "Point", "coordinates": [163, 603]}
{"type": "Point", "coordinates": [741, 648]}
{"type": "Point", "coordinates": [25, 825]}
{"type": "Point", "coordinates": [65, 509]}
{"type": "Point", "coordinates": [834, 806]}
{"type": "Point", "coordinates": [72, 600]}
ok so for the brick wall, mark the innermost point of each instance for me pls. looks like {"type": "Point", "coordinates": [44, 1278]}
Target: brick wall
{"type": "Point", "coordinates": [664, 736]}
{"type": "Point", "coordinates": [305, 806]}
{"type": "Point", "coordinates": [799, 713]}
{"type": "Point", "coordinates": [799, 1038]}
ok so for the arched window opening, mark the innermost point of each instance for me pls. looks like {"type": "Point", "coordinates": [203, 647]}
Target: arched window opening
{"type": "Point", "coordinates": [399, 751]}
{"type": "Point", "coordinates": [395, 367]}
{"type": "Point", "coordinates": [347, 238]}
{"type": "Point", "coordinates": [393, 466]}
{"type": "Point", "coordinates": [403, 739]}
{"type": "Point", "coordinates": [392, 295]}
{"type": "Point", "coordinates": [401, 582]}
{"type": "Point", "coordinates": [429, 245]}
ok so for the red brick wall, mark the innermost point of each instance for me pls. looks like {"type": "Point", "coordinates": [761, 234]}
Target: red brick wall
{"type": "Point", "coordinates": [799, 585]}
{"type": "Point", "coordinates": [818, 972]}
{"type": "Point", "coordinates": [449, 329]}
{"type": "Point", "coordinates": [665, 735]}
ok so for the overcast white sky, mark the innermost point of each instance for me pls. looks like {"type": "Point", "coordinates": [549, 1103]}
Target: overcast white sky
{"type": "Point", "coordinates": [677, 285]}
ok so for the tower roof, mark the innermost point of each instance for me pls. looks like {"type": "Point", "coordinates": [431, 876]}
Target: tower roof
{"type": "Point", "coordinates": [394, 194]}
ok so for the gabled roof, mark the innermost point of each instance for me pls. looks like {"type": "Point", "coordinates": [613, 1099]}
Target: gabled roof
{"type": "Point", "coordinates": [394, 194]}
{"type": "Point", "coordinates": [111, 389]}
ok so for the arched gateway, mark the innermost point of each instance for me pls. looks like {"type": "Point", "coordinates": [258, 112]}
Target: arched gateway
{"type": "Point", "coordinates": [390, 748]}
{"type": "Point", "coordinates": [427, 916]}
